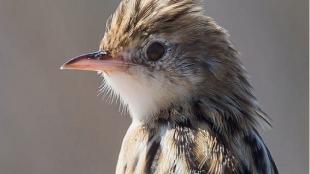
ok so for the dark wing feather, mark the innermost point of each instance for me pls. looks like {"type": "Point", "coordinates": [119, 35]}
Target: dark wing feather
{"type": "Point", "coordinates": [262, 159]}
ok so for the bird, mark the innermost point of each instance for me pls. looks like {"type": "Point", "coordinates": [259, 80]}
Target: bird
{"type": "Point", "coordinates": [185, 88]}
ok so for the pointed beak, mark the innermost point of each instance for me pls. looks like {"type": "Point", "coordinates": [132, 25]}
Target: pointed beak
{"type": "Point", "coordinates": [97, 61]}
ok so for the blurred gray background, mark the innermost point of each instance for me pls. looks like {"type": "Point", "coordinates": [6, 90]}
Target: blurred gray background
{"type": "Point", "coordinates": [53, 122]}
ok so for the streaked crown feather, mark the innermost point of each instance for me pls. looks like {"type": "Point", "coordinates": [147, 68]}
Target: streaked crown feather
{"type": "Point", "coordinates": [143, 17]}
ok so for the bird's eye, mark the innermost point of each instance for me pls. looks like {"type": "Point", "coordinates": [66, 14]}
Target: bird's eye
{"type": "Point", "coordinates": [155, 51]}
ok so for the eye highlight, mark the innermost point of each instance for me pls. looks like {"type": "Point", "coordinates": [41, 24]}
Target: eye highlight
{"type": "Point", "coordinates": [155, 51]}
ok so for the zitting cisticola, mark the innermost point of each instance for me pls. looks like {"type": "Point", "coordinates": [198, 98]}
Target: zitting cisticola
{"type": "Point", "coordinates": [191, 104]}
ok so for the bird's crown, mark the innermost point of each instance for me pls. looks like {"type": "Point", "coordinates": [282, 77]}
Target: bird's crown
{"type": "Point", "coordinates": [134, 19]}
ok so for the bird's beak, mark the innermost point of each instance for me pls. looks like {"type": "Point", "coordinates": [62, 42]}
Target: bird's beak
{"type": "Point", "coordinates": [97, 61]}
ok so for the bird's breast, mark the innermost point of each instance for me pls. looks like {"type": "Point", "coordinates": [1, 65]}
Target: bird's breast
{"type": "Point", "coordinates": [171, 149]}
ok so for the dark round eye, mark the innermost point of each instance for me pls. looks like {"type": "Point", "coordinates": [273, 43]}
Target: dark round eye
{"type": "Point", "coordinates": [155, 51]}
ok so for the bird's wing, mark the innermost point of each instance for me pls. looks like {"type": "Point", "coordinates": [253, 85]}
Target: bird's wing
{"type": "Point", "coordinates": [262, 159]}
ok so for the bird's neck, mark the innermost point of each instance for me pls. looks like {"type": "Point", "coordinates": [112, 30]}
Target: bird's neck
{"type": "Point", "coordinates": [225, 116]}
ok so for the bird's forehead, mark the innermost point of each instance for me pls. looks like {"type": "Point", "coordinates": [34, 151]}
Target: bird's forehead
{"type": "Point", "coordinates": [135, 20]}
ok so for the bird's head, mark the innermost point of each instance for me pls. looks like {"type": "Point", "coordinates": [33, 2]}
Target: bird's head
{"type": "Point", "coordinates": [161, 52]}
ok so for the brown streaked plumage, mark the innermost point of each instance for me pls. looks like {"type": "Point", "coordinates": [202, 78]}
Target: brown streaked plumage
{"type": "Point", "coordinates": [180, 78]}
